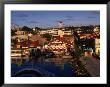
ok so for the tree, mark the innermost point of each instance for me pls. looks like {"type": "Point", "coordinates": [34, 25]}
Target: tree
{"type": "Point", "coordinates": [25, 28]}
{"type": "Point", "coordinates": [77, 39]}
{"type": "Point", "coordinates": [37, 28]}
{"type": "Point", "coordinates": [87, 29]}
{"type": "Point", "coordinates": [13, 32]}
{"type": "Point", "coordinates": [33, 32]}
{"type": "Point", "coordinates": [47, 36]}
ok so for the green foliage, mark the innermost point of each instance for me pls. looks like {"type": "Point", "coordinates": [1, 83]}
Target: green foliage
{"type": "Point", "coordinates": [47, 36]}
{"type": "Point", "coordinates": [13, 32]}
{"type": "Point", "coordinates": [25, 28]}
{"type": "Point", "coordinates": [87, 29]}
{"type": "Point", "coordinates": [78, 53]}
{"type": "Point", "coordinates": [33, 32]}
{"type": "Point", "coordinates": [30, 30]}
{"type": "Point", "coordinates": [37, 28]}
{"type": "Point", "coordinates": [45, 43]}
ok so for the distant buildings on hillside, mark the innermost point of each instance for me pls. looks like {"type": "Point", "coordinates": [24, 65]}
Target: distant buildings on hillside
{"type": "Point", "coordinates": [62, 37]}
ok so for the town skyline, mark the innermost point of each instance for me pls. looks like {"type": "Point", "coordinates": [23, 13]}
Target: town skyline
{"type": "Point", "coordinates": [47, 19]}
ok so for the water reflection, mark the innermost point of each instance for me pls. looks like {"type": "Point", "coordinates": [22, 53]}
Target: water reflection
{"type": "Point", "coordinates": [54, 67]}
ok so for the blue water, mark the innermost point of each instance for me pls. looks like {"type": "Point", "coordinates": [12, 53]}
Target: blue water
{"type": "Point", "coordinates": [46, 68]}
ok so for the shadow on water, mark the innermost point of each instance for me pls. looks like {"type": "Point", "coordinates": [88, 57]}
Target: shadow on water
{"type": "Point", "coordinates": [28, 73]}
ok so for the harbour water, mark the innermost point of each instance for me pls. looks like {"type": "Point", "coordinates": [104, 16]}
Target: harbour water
{"type": "Point", "coordinates": [51, 67]}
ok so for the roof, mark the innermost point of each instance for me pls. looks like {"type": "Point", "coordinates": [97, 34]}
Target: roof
{"type": "Point", "coordinates": [59, 40]}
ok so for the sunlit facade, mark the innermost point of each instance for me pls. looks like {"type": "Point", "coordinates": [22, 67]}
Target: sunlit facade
{"type": "Point", "coordinates": [97, 46]}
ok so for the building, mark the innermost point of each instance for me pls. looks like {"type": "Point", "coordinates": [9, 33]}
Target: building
{"type": "Point", "coordinates": [97, 46]}
{"type": "Point", "coordinates": [56, 31]}
{"type": "Point", "coordinates": [37, 40]}
{"type": "Point", "coordinates": [18, 32]}
{"type": "Point", "coordinates": [57, 45]}
{"type": "Point", "coordinates": [61, 44]}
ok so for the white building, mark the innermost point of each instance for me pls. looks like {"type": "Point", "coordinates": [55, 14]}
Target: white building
{"type": "Point", "coordinates": [97, 46]}
{"type": "Point", "coordinates": [56, 32]}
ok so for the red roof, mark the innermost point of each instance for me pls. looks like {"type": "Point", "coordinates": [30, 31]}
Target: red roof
{"type": "Point", "coordinates": [63, 40]}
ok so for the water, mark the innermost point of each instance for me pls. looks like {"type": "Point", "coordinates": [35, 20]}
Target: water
{"type": "Point", "coordinates": [42, 69]}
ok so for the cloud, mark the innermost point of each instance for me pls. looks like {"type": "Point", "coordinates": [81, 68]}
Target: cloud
{"type": "Point", "coordinates": [68, 18]}
{"type": "Point", "coordinates": [91, 17]}
{"type": "Point", "coordinates": [33, 22]}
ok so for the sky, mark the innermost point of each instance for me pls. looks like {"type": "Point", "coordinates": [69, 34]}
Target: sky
{"type": "Point", "coordinates": [51, 18]}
